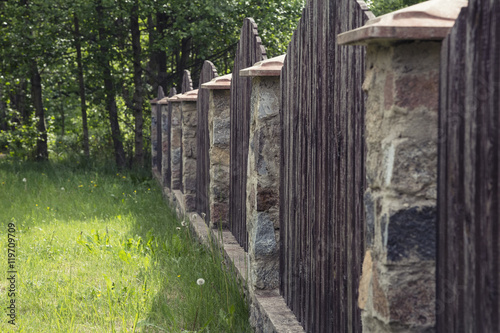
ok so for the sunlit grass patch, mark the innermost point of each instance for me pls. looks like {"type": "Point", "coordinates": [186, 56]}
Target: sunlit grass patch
{"type": "Point", "coordinates": [97, 252]}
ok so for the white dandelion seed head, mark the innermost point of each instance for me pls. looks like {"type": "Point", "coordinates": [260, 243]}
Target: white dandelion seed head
{"type": "Point", "coordinates": [200, 282]}
{"type": "Point", "coordinates": [183, 223]}
{"type": "Point", "coordinates": [178, 228]}
{"type": "Point", "coordinates": [24, 180]}
{"type": "Point", "coordinates": [62, 188]}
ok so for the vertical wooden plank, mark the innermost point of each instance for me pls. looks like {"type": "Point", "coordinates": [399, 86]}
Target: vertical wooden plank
{"type": "Point", "coordinates": [159, 153]}
{"type": "Point", "coordinates": [168, 172]}
{"type": "Point", "coordinates": [249, 51]}
{"type": "Point", "coordinates": [468, 192]}
{"type": "Point", "coordinates": [208, 72]}
{"type": "Point", "coordinates": [322, 168]}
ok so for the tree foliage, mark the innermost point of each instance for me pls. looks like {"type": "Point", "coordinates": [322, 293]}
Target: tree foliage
{"type": "Point", "coordinates": [381, 7]}
{"type": "Point", "coordinates": [99, 62]}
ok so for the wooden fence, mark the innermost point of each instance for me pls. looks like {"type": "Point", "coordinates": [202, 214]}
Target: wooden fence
{"type": "Point", "coordinates": [167, 121]}
{"type": "Point", "coordinates": [322, 169]}
{"type": "Point", "coordinates": [159, 149]}
{"type": "Point", "coordinates": [250, 51]}
{"type": "Point", "coordinates": [468, 292]}
{"type": "Point", "coordinates": [208, 72]}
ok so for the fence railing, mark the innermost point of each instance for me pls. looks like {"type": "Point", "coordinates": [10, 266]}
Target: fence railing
{"type": "Point", "coordinates": [324, 165]}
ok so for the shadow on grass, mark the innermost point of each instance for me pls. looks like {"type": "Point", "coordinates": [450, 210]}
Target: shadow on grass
{"type": "Point", "coordinates": [86, 190]}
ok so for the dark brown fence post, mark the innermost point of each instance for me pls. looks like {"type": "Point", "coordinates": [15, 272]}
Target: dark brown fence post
{"type": "Point", "coordinates": [154, 135]}
{"type": "Point", "coordinates": [397, 289]}
{"type": "Point", "coordinates": [208, 72]}
{"type": "Point", "coordinates": [159, 150]}
{"type": "Point", "coordinates": [218, 133]}
{"type": "Point", "coordinates": [468, 292]}
{"type": "Point", "coordinates": [322, 169]}
{"type": "Point", "coordinates": [166, 120]}
{"type": "Point", "coordinates": [250, 51]}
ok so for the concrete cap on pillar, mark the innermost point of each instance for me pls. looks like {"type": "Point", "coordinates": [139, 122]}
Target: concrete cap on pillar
{"type": "Point", "coordinates": [268, 67]}
{"type": "Point", "coordinates": [220, 82]}
{"type": "Point", "coordinates": [174, 98]}
{"type": "Point", "coordinates": [430, 20]}
{"type": "Point", "coordinates": [153, 101]}
{"type": "Point", "coordinates": [164, 100]}
{"type": "Point", "coordinates": [190, 96]}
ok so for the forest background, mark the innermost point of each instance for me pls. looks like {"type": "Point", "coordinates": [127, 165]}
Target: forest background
{"type": "Point", "coordinates": [76, 77]}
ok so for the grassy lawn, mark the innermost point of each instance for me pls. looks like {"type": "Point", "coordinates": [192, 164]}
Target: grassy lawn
{"type": "Point", "coordinates": [98, 250]}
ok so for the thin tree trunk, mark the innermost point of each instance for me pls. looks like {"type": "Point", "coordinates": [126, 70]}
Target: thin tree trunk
{"type": "Point", "coordinates": [183, 59]}
{"type": "Point", "coordinates": [81, 84]}
{"type": "Point", "coordinates": [152, 67]}
{"type": "Point", "coordinates": [42, 152]}
{"type": "Point", "coordinates": [161, 23]}
{"type": "Point", "coordinates": [3, 113]}
{"type": "Point", "coordinates": [138, 93]}
{"type": "Point", "coordinates": [110, 91]}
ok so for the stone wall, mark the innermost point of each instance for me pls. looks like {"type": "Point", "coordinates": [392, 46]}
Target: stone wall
{"type": "Point", "coordinates": [219, 129]}
{"type": "Point", "coordinates": [189, 123]}
{"type": "Point", "coordinates": [175, 144]}
{"type": "Point", "coordinates": [397, 289]}
{"type": "Point", "coordinates": [263, 183]}
{"type": "Point", "coordinates": [165, 142]}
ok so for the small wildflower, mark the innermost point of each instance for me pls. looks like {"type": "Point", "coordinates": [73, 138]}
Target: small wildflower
{"type": "Point", "coordinates": [36, 205]}
{"type": "Point", "coordinates": [98, 295]}
{"type": "Point", "coordinates": [178, 228]}
{"type": "Point", "coordinates": [135, 191]}
{"type": "Point", "coordinates": [48, 208]}
{"type": "Point", "coordinates": [24, 180]}
{"type": "Point", "coordinates": [91, 181]}
{"type": "Point", "coordinates": [62, 188]}
{"type": "Point", "coordinates": [80, 185]}
{"type": "Point", "coordinates": [203, 215]}
{"type": "Point", "coordinates": [95, 185]}
{"type": "Point", "coordinates": [124, 177]}
{"type": "Point", "coordinates": [193, 216]}
{"type": "Point", "coordinates": [183, 223]}
{"type": "Point", "coordinates": [200, 282]}
{"type": "Point", "coordinates": [178, 275]}
{"type": "Point", "coordinates": [149, 189]}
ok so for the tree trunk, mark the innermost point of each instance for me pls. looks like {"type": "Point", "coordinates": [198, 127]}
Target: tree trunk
{"type": "Point", "coordinates": [183, 59]}
{"type": "Point", "coordinates": [42, 153]}
{"type": "Point", "coordinates": [138, 93]}
{"type": "Point", "coordinates": [109, 90]}
{"type": "Point", "coordinates": [152, 67]}
{"type": "Point", "coordinates": [81, 84]}
{"type": "Point", "coordinates": [3, 113]}
{"type": "Point", "coordinates": [161, 22]}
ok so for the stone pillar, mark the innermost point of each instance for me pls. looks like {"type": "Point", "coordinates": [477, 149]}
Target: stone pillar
{"type": "Point", "coordinates": [262, 204]}
{"type": "Point", "coordinates": [154, 135]}
{"type": "Point", "coordinates": [189, 124]}
{"type": "Point", "coordinates": [397, 291]}
{"type": "Point", "coordinates": [219, 127]}
{"type": "Point", "coordinates": [175, 143]}
{"type": "Point", "coordinates": [165, 140]}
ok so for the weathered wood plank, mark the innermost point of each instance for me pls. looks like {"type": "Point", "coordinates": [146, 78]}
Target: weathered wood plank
{"type": "Point", "coordinates": [469, 180]}
{"type": "Point", "coordinates": [322, 169]}
{"type": "Point", "coordinates": [249, 51]}
{"type": "Point", "coordinates": [208, 72]}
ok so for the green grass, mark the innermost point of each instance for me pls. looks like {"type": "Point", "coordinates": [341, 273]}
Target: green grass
{"type": "Point", "coordinates": [98, 250]}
